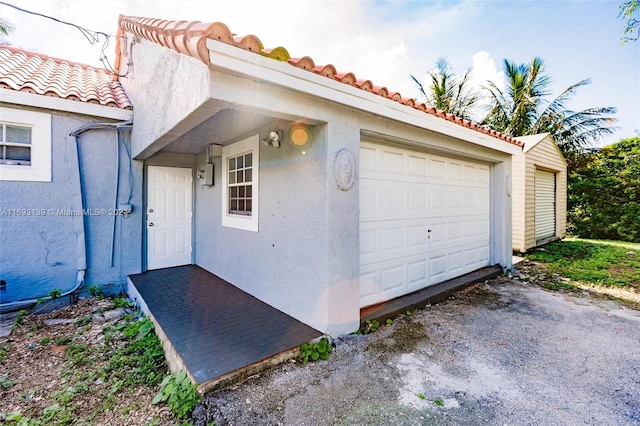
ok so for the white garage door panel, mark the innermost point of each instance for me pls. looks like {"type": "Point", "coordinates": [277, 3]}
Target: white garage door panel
{"type": "Point", "coordinates": [403, 195]}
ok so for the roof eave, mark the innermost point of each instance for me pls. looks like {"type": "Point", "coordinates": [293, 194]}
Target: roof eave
{"type": "Point", "coordinates": [240, 62]}
{"type": "Point", "coordinates": [67, 105]}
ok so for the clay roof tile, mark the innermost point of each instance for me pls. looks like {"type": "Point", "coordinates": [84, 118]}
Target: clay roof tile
{"type": "Point", "coordinates": [306, 63]}
{"type": "Point", "coordinates": [190, 39]}
{"type": "Point", "coordinates": [39, 74]}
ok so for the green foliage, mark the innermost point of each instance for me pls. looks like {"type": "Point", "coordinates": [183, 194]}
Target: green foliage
{"type": "Point", "coordinates": [95, 291]}
{"type": "Point", "coordinates": [604, 193]}
{"type": "Point", "coordinates": [78, 354]}
{"type": "Point", "coordinates": [389, 321]}
{"type": "Point", "coordinates": [133, 357]}
{"type": "Point", "coordinates": [421, 396]}
{"type": "Point", "coordinates": [121, 302]}
{"type": "Point", "coordinates": [591, 262]}
{"type": "Point", "coordinates": [632, 25]}
{"type": "Point", "coordinates": [55, 293]}
{"type": "Point", "coordinates": [12, 417]}
{"type": "Point", "coordinates": [178, 393]}
{"type": "Point", "coordinates": [314, 351]}
{"type": "Point", "coordinates": [20, 317]}
{"type": "Point", "coordinates": [370, 326]}
{"type": "Point", "coordinates": [524, 108]}
{"type": "Point", "coordinates": [5, 382]}
{"type": "Point", "coordinates": [61, 341]}
{"type": "Point", "coordinates": [140, 361]}
{"type": "Point", "coordinates": [3, 352]}
{"type": "Point", "coordinates": [408, 313]}
{"type": "Point", "coordinates": [83, 321]}
{"type": "Point", "coordinates": [438, 402]}
{"type": "Point", "coordinates": [449, 92]}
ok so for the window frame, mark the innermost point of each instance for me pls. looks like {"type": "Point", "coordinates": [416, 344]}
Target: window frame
{"type": "Point", "coordinates": [241, 221]}
{"type": "Point", "coordinates": [39, 169]}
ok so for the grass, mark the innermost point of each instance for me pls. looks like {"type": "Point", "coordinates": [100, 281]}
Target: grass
{"type": "Point", "coordinates": [592, 262]}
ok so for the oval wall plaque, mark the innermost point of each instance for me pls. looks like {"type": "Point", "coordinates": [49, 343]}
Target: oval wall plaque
{"type": "Point", "coordinates": [344, 169]}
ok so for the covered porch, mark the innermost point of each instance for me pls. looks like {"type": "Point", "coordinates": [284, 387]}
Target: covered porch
{"type": "Point", "coordinates": [212, 329]}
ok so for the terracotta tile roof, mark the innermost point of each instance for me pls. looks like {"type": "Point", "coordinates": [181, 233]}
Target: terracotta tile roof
{"type": "Point", "coordinates": [190, 38]}
{"type": "Point", "coordinates": [40, 74]}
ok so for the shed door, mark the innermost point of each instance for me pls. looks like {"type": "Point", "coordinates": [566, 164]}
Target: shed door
{"type": "Point", "coordinates": [545, 204]}
{"type": "Point", "coordinates": [423, 219]}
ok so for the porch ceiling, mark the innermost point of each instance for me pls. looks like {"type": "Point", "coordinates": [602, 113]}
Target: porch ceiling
{"type": "Point", "coordinates": [224, 127]}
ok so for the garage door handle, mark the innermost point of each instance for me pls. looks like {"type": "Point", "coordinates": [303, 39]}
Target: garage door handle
{"type": "Point", "coordinates": [150, 223]}
{"type": "Point", "coordinates": [428, 234]}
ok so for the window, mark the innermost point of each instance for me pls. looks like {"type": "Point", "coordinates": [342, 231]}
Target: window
{"type": "Point", "coordinates": [25, 145]}
{"type": "Point", "coordinates": [240, 184]}
{"type": "Point", "coordinates": [15, 145]}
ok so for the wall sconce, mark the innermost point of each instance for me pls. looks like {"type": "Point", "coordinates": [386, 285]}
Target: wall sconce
{"type": "Point", "coordinates": [273, 139]}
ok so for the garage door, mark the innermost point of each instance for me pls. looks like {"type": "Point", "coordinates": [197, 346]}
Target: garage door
{"type": "Point", "coordinates": [423, 219]}
{"type": "Point", "coordinates": [545, 204]}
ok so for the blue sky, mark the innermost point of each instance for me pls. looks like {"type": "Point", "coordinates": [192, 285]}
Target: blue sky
{"type": "Point", "coordinates": [386, 41]}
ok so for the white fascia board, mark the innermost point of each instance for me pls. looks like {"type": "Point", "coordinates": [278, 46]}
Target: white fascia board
{"type": "Point", "coordinates": [67, 105]}
{"type": "Point", "coordinates": [240, 62]}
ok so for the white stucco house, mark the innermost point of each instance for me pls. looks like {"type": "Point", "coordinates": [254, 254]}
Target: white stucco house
{"type": "Point", "coordinates": [315, 191]}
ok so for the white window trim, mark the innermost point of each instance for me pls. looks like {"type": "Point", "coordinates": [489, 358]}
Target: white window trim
{"type": "Point", "coordinates": [40, 168]}
{"type": "Point", "coordinates": [247, 223]}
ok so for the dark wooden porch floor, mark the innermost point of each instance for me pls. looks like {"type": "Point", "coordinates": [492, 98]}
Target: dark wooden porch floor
{"type": "Point", "coordinates": [214, 327]}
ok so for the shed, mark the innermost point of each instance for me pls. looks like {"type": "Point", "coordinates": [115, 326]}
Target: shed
{"type": "Point", "coordinates": [539, 205]}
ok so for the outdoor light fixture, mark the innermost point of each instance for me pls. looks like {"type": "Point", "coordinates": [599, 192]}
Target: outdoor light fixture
{"type": "Point", "coordinates": [273, 139]}
{"type": "Point", "coordinates": [299, 135]}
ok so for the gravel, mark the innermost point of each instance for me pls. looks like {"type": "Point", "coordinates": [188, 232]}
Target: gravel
{"type": "Point", "coordinates": [502, 352]}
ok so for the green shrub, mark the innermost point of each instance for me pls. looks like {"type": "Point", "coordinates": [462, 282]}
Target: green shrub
{"type": "Point", "coordinates": [178, 393]}
{"type": "Point", "coordinates": [604, 193]}
{"type": "Point", "coordinates": [314, 351]}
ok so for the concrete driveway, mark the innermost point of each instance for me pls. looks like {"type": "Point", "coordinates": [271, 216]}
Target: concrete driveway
{"type": "Point", "coordinates": [502, 353]}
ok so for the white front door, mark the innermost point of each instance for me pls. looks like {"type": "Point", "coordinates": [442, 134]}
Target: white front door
{"type": "Point", "coordinates": [424, 219]}
{"type": "Point", "coordinates": [169, 195]}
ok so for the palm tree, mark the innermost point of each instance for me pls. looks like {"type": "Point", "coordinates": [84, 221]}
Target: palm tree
{"type": "Point", "coordinates": [523, 109]}
{"type": "Point", "coordinates": [449, 92]}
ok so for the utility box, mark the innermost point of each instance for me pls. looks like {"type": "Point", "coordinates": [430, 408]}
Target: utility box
{"type": "Point", "coordinates": [206, 178]}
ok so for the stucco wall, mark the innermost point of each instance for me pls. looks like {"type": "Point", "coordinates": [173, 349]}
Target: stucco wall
{"type": "Point", "coordinates": [38, 253]}
{"type": "Point", "coordinates": [169, 85]}
{"type": "Point", "coordinates": [285, 263]}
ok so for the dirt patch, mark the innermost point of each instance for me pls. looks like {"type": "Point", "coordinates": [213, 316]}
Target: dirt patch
{"type": "Point", "coordinates": [404, 336]}
{"type": "Point", "coordinates": [51, 369]}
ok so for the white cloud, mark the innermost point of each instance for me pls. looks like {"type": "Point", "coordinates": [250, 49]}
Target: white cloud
{"type": "Point", "coordinates": [484, 69]}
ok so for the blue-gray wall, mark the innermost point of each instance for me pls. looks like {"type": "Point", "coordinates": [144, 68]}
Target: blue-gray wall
{"type": "Point", "coordinates": [38, 252]}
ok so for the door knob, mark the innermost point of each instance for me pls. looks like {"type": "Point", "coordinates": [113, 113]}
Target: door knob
{"type": "Point", "coordinates": [150, 223]}
{"type": "Point", "coordinates": [150, 210]}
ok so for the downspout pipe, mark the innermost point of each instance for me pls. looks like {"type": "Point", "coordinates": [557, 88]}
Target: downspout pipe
{"type": "Point", "coordinates": [81, 249]}
{"type": "Point", "coordinates": [79, 226]}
